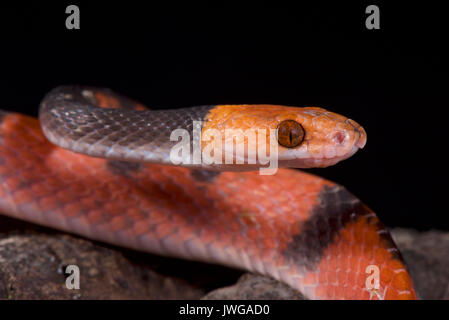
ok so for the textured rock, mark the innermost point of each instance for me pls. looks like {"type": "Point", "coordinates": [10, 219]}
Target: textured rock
{"type": "Point", "coordinates": [33, 260]}
{"type": "Point", "coordinates": [255, 287]}
{"type": "Point", "coordinates": [427, 257]}
{"type": "Point", "coordinates": [32, 267]}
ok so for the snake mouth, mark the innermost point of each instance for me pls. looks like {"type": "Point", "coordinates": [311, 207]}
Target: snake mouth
{"type": "Point", "coordinates": [321, 161]}
{"type": "Point", "coordinates": [318, 162]}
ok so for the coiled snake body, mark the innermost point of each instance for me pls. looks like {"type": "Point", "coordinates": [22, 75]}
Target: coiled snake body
{"type": "Point", "coordinates": [298, 228]}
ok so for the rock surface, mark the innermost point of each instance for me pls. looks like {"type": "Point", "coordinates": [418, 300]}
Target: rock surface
{"type": "Point", "coordinates": [33, 261]}
{"type": "Point", "coordinates": [255, 287]}
{"type": "Point", "coordinates": [32, 267]}
{"type": "Point", "coordinates": [427, 258]}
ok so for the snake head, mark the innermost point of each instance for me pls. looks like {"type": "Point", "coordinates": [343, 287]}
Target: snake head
{"type": "Point", "coordinates": [303, 137]}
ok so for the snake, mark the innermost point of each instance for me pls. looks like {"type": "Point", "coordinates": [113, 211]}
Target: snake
{"type": "Point", "coordinates": [101, 165]}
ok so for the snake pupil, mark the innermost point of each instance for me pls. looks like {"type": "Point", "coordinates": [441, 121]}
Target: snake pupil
{"type": "Point", "coordinates": [290, 133]}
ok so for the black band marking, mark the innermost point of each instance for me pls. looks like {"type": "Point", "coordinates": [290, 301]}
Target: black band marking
{"type": "Point", "coordinates": [204, 175]}
{"type": "Point", "coordinates": [123, 168]}
{"type": "Point", "coordinates": [337, 208]}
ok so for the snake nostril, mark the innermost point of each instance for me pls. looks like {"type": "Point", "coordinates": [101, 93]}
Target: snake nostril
{"type": "Point", "coordinates": [339, 137]}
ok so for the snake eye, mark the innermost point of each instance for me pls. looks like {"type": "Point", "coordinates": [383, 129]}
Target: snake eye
{"type": "Point", "coordinates": [290, 133]}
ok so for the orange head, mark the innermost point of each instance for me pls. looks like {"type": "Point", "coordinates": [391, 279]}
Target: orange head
{"type": "Point", "coordinates": [301, 137]}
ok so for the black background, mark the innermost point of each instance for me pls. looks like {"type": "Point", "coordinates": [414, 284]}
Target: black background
{"type": "Point", "coordinates": [392, 80]}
